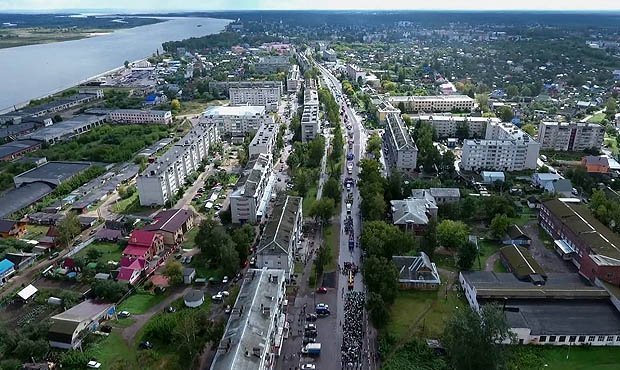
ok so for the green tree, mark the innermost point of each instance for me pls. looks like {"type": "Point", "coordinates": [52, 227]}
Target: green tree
{"type": "Point", "coordinates": [229, 258]}
{"type": "Point", "coordinates": [93, 254]}
{"type": "Point", "coordinates": [332, 189]}
{"type": "Point", "coordinates": [474, 340]}
{"type": "Point", "coordinates": [452, 234]}
{"type": "Point", "coordinates": [526, 91]}
{"type": "Point", "coordinates": [109, 290]}
{"type": "Point", "coordinates": [499, 225]}
{"type": "Point", "coordinates": [462, 130]}
{"type": "Point", "coordinates": [210, 237]}
{"type": "Point", "coordinates": [373, 145]}
{"type": "Point", "coordinates": [175, 105]}
{"type": "Point", "coordinates": [126, 64]}
{"type": "Point", "coordinates": [68, 228]}
{"type": "Point", "coordinates": [243, 237]}
{"type": "Point", "coordinates": [378, 310]}
{"type": "Point", "coordinates": [428, 244]}
{"type": "Point", "coordinates": [505, 113]}
{"type": "Point", "coordinates": [173, 270]}
{"type": "Point", "coordinates": [322, 210]}
{"type": "Point", "coordinates": [382, 239]}
{"type": "Point", "coordinates": [466, 256]}
{"type": "Point", "coordinates": [381, 277]}
{"type": "Point", "coordinates": [512, 91]}
{"type": "Point", "coordinates": [530, 129]}
{"type": "Point", "coordinates": [483, 102]}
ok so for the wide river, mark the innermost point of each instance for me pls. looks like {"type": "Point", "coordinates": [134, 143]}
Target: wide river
{"type": "Point", "coordinates": [29, 72]}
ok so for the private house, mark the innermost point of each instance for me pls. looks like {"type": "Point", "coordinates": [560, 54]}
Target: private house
{"type": "Point", "coordinates": [542, 179]}
{"type": "Point", "coordinates": [490, 177]}
{"type": "Point", "coordinates": [562, 187]}
{"type": "Point", "coordinates": [143, 244]}
{"type": "Point", "coordinates": [417, 272]}
{"type": "Point", "coordinates": [600, 164]}
{"type": "Point", "coordinates": [12, 229]}
{"type": "Point", "coordinates": [520, 262]}
{"type": "Point", "coordinates": [69, 328]}
{"type": "Point", "coordinates": [445, 195]}
{"type": "Point", "coordinates": [515, 235]}
{"type": "Point", "coordinates": [189, 274]}
{"type": "Point", "coordinates": [7, 269]}
{"type": "Point", "coordinates": [533, 202]}
{"type": "Point", "coordinates": [108, 235]}
{"type": "Point", "coordinates": [21, 259]}
{"type": "Point", "coordinates": [131, 270]}
{"type": "Point", "coordinates": [172, 224]}
{"type": "Point", "coordinates": [414, 213]}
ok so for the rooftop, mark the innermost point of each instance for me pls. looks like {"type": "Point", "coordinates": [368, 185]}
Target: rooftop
{"type": "Point", "coordinates": [241, 110]}
{"type": "Point", "coordinates": [399, 131]}
{"type": "Point", "coordinates": [65, 127]}
{"type": "Point", "coordinates": [414, 210]}
{"type": "Point", "coordinates": [522, 264]}
{"type": "Point", "coordinates": [451, 118]}
{"type": "Point", "coordinates": [279, 229]}
{"type": "Point", "coordinates": [445, 192]}
{"type": "Point", "coordinates": [430, 97]}
{"type": "Point", "coordinates": [15, 199]}
{"type": "Point", "coordinates": [416, 268]}
{"type": "Point", "coordinates": [87, 310]}
{"type": "Point", "coordinates": [52, 172]}
{"type": "Point", "coordinates": [17, 146]}
{"type": "Point", "coordinates": [170, 220]}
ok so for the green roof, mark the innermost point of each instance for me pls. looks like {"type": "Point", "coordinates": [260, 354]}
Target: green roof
{"type": "Point", "coordinates": [521, 263]}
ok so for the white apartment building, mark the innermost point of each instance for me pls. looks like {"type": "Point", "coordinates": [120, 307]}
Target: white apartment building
{"type": "Point", "coordinates": [436, 103]}
{"type": "Point", "coordinates": [402, 153]}
{"type": "Point", "coordinates": [310, 123]}
{"type": "Point", "coordinates": [293, 79]}
{"type": "Point", "coordinates": [237, 120]}
{"type": "Point", "coordinates": [570, 136]}
{"type": "Point", "coordinates": [161, 180]}
{"type": "Point", "coordinates": [245, 200]}
{"type": "Point", "coordinates": [267, 96]}
{"type": "Point", "coordinates": [265, 139]}
{"type": "Point", "coordinates": [330, 55]}
{"type": "Point", "coordinates": [137, 116]}
{"type": "Point", "coordinates": [220, 87]}
{"type": "Point", "coordinates": [354, 73]}
{"type": "Point", "coordinates": [446, 125]}
{"type": "Point", "coordinates": [505, 148]}
{"type": "Point", "coordinates": [273, 63]}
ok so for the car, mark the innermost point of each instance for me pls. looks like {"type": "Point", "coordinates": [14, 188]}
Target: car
{"type": "Point", "coordinates": [311, 334]}
{"type": "Point", "coordinates": [308, 367]}
{"type": "Point", "coordinates": [322, 306]}
{"type": "Point", "coordinates": [228, 309]}
{"type": "Point", "coordinates": [106, 328]}
{"type": "Point", "coordinates": [54, 255]}
{"type": "Point", "coordinates": [93, 364]}
{"type": "Point", "coordinates": [146, 345]}
{"type": "Point", "coordinates": [171, 309]}
{"type": "Point", "coordinates": [311, 317]}
{"type": "Point", "coordinates": [321, 290]}
{"type": "Point", "coordinates": [217, 297]}
{"type": "Point", "coordinates": [224, 293]}
{"type": "Point", "coordinates": [307, 340]}
{"type": "Point", "coordinates": [310, 327]}
{"type": "Point", "coordinates": [225, 280]}
{"type": "Point", "coordinates": [124, 314]}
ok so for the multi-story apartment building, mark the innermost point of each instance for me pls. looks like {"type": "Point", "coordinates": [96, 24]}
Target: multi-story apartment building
{"type": "Point", "coordinates": [246, 201]}
{"type": "Point", "coordinates": [268, 97]}
{"type": "Point", "coordinates": [161, 180]}
{"type": "Point", "coordinates": [237, 120]}
{"type": "Point", "coordinates": [446, 126]}
{"type": "Point", "coordinates": [384, 108]}
{"type": "Point", "coordinates": [437, 103]}
{"type": "Point", "coordinates": [504, 148]}
{"type": "Point", "coordinates": [265, 139]}
{"type": "Point", "coordinates": [570, 136]}
{"type": "Point", "coordinates": [273, 64]}
{"type": "Point", "coordinates": [138, 116]}
{"type": "Point", "coordinates": [355, 73]}
{"type": "Point", "coordinates": [281, 236]}
{"type": "Point", "coordinates": [310, 123]}
{"type": "Point", "coordinates": [223, 87]}
{"type": "Point", "coordinates": [330, 55]}
{"type": "Point", "coordinates": [256, 326]}
{"type": "Point", "coordinates": [293, 79]}
{"type": "Point", "coordinates": [402, 153]}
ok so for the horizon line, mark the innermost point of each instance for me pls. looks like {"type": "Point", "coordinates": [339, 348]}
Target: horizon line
{"type": "Point", "coordinates": [617, 10]}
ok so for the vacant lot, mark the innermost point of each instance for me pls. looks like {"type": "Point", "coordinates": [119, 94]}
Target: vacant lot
{"type": "Point", "coordinates": [141, 302]}
{"type": "Point", "coordinates": [107, 252]}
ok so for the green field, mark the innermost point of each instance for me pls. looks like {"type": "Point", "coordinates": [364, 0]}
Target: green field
{"type": "Point", "coordinates": [141, 302]}
{"type": "Point", "coordinates": [487, 249]}
{"type": "Point", "coordinates": [108, 252]}
{"type": "Point", "coordinates": [332, 239]}
{"type": "Point", "coordinates": [597, 118]}
{"type": "Point", "coordinates": [309, 200]}
{"type": "Point", "coordinates": [563, 358]}
{"type": "Point", "coordinates": [130, 205]}
{"type": "Point", "coordinates": [114, 350]}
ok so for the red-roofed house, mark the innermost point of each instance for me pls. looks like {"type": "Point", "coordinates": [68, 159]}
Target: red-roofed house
{"type": "Point", "coordinates": [131, 273]}
{"type": "Point", "coordinates": [172, 224]}
{"type": "Point", "coordinates": [143, 244]}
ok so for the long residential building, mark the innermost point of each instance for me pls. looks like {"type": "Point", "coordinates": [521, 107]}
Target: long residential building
{"type": "Point", "coordinates": [273, 64]}
{"type": "Point", "coordinates": [293, 79]}
{"type": "Point", "coordinates": [246, 198]}
{"type": "Point", "coordinates": [504, 148]}
{"type": "Point", "coordinates": [256, 325]}
{"type": "Point", "coordinates": [436, 103]}
{"type": "Point", "coordinates": [162, 179]}
{"type": "Point", "coordinates": [139, 116]}
{"type": "Point", "coordinates": [223, 87]}
{"type": "Point", "coordinates": [310, 123]}
{"type": "Point", "coordinates": [265, 139]}
{"type": "Point", "coordinates": [570, 136]}
{"type": "Point", "coordinates": [237, 120]}
{"type": "Point", "coordinates": [446, 126]}
{"type": "Point", "coordinates": [68, 129]}
{"type": "Point", "coordinates": [402, 153]}
{"type": "Point", "coordinates": [265, 94]}
{"type": "Point", "coordinates": [282, 235]}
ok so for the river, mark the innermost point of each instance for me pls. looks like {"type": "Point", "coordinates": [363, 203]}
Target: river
{"type": "Point", "coordinates": [29, 72]}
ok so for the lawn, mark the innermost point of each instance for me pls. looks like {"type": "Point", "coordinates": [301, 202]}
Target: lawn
{"type": "Point", "coordinates": [597, 118]}
{"type": "Point", "coordinates": [499, 267]}
{"type": "Point", "coordinates": [331, 236]}
{"type": "Point", "coordinates": [579, 358]}
{"type": "Point", "coordinates": [612, 144]}
{"type": "Point", "coordinates": [201, 265]}
{"type": "Point", "coordinates": [114, 350]}
{"type": "Point", "coordinates": [188, 243]}
{"type": "Point", "coordinates": [525, 215]}
{"type": "Point", "coordinates": [309, 200]}
{"type": "Point", "coordinates": [108, 252]}
{"type": "Point", "coordinates": [130, 205]}
{"type": "Point", "coordinates": [141, 302]}
{"type": "Point", "coordinates": [487, 249]}
{"type": "Point", "coordinates": [34, 232]}
{"type": "Point", "coordinates": [422, 313]}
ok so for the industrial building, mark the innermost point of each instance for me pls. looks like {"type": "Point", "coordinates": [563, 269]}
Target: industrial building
{"type": "Point", "coordinates": [17, 149]}
{"type": "Point", "coordinates": [53, 173]}
{"type": "Point", "coordinates": [140, 116]}
{"type": "Point", "coordinates": [570, 136]}
{"type": "Point", "coordinates": [66, 130]}
{"type": "Point", "coordinates": [402, 153]}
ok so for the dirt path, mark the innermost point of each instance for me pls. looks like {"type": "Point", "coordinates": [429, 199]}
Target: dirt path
{"type": "Point", "coordinates": [491, 261]}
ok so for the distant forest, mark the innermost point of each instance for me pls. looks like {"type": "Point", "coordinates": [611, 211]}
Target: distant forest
{"type": "Point", "coordinates": [65, 21]}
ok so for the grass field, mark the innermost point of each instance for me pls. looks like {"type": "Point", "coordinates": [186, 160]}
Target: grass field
{"type": "Point", "coordinates": [114, 350]}
{"type": "Point", "coordinates": [108, 252]}
{"type": "Point", "coordinates": [130, 205]}
{"type": "Point", "coordinates": [34, 232]}
{"type": "Point", "coordinates": [140, 303]}
{"type": "Point", "coordinates": [487, 249]}
{"type": "Point", "coordinates": [499, 267]}
{"type": "Point", "coordinates": [332, 238]}
{"type": "Point", "coordinates": [309, 200]}
{"type": "Point", "coordinates": [597, 118]}
{"type": "Point", "coordinates": [579, 358]}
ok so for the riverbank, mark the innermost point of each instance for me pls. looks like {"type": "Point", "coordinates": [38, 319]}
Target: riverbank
{"type": "Point", "coordinates": [10, 38]}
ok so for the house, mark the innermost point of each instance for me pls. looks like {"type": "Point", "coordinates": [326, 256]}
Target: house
{"type": "Point", "coordinates": [520, 262]}
{"type": "Point", "coordinates": [561, 187]}
{"type": "Point", "coordinates": [87, 221]}
{"type": "Point", "coordinates": [12, 229]}
{"type": "Point", "coordinates": [21, 259]}
{"type": "Point", "coordinates": [194, 298]}
{"type": "Point", "coordinates": [490, 177]}
{"type": "Point", "coordinates": [131, 270]}
{"type": "Point", "coordinates": [7, 268]}
{"type": "Point", "coordinates": [143, 244]}
{"type": "Point", "coordinates": [172, 224]}
{"type": "Point", "coordinates": [28, 292]}
{"type": "Point", "coordinates": [68, 328]}
{"type": "Point", "coordinates": [417, 272]}
{"type": "Point", "coordinates": [445, 195]}
{"type": "Point", "coordinates": [533, 202]}
{"type": "Point", "coordinates": [189, 274]}
{"type": "Point", "coordinates": [109, 235]}
{"type": "Point", "coordinates": [414, 213]}
{"type": "Point", "coordinates": [600, 164]}
{"type": "Point", "coordinates": [542, 179]}
{"type": "Point", "coordinates": [516, 236]}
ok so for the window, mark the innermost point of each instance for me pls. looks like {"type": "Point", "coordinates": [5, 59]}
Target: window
{"type": "Point", "coordinates": [562, 339]}
{"type": "Point", "coordinates": [591, 338]}
{"type": "Point", "coordinates": [601, 338]}
{"type": "Point", "coordinates": [582, 338]}
{"type": "Point", "coordinates": [543, 339]}
{"type": "Point", "coordinates": [552, 339]}
{"type": "Point", "coordinates": [618, 338]}
{"type": "Point", "coordinates": [610, 338]}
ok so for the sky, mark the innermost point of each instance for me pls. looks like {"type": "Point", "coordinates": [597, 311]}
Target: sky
{"type": "Point", "coordinates": [159, 5]}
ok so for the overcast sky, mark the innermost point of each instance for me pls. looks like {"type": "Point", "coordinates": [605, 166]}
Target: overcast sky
{"type": "Point", "coordinates": [307, 4]}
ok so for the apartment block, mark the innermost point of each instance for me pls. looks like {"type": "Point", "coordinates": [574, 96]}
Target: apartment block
{"type": "Point", "coordinates": [437, 103]}
{"type": "Point", "coordinates": [570, 136]}
{"type": "Point", "coordinates": [246, 201]}
{"type": "Point", "coordinates": [504, 148]}
{"type": "Point", "coordinates": [354, 73]}
{"type": "Point", "coordinates": [265, 139]}
{"type": "Point", "coordinates": [446, 125]}
{"type": "Point", "coordinates": [223, 87]}
{"type": "Point", "coordinates": [273, 64]}
{"type": "Point", "coordinates": [402, 153]}
{"type": "Point", "coordinates": [265, 96]}
{"type": "Point", "coordinates": [138, 116]}
{"type": "Point", "coordinates": [330, 55]}
{"type": "Point", "coordinates": [310, 123]}
{"type": "Point", "coordinates": [237, 120]}
{"type": "Point", "coordinates": [293, 79]}
{"type": "Point", "coordinates": [162, 179]}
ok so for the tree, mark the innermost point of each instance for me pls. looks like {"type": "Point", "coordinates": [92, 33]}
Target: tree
{"type": "Point", "coordinates": [323, 210]}
{"type": "Point", "coordinates": [474, 340]}
{"type": "Point", "coordinates": [377, 310]}
{"type": "Point", "coordinates": [322, 259]}
{"type": "Point", "coordinates": [385, 240]}
{"type": "Point", "coordinates": [512, 91]}
{"type": "Point", "coordinates": [126, 64]}
{"type": "Point", "coordinates": [466, 256]}
{"type": "Point", "coordinates": [373, 145]}
{"type": "Point", "coordinates": [109, 290]}
{"type": "Point", "coordinates": [505, 113]}
{"type": "Point", "coordinates": [373, 209]}
{"type": "Point", "coordinates": [452, 234]}
{"type": "Point", "coordinates": [210, 237]}
{"type": "Point", "coordinates": [428, 244]}
{"type": "Point", "coordinates": [243, 238]}
{"type": "Point", "coordinates": [526, 91]}
{"type": "Point", "coordinates": [93, 254]}
{"type": "Point", "coordinates": [530, 129]}
{"type": "Point", "coordinates": [381, 277]}
{"type": "Point", "coordinates": [332, 189]}
{"type": "Point", "coordinates": [175, 105]}
{"type": "Point", "coordinates": [68, 228]}
{"type": "Point", "coordinates": [499, 225]}
{"type": "Point", "coordinates": [229, 259]}
{"type": "Point", "coordinates": [462, 130]}
{"type": "Point", "coordinates": [173, 270]}
{"type": "Point", "coordinates": [483, 101]}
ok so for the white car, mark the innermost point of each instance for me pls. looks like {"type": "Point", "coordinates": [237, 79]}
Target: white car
{"type": "Point", "coordinates": [224, 293]}
{"type": "Point", "coordinates": [217, 298]}
{"type": "Point", "coordinates": [124, 314]}
{"type": "Point", "coordinates": [321, 306]}
{"type": "Point", "coordinates": [225, 280]}
{"type": "Point", "coordinates": [308, 367]}
{"type": "Point", "coordinates": [93, 364]}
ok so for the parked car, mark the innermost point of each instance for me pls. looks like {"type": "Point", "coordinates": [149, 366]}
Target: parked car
{"type": "Point", "coordinates": [225, 280]}
{"type": "Point", "coordinates": [124, 314]}
{"type": "Point", "coordinates": [310, 327]}
{"type": "Point", "coordinates": [307, 340]}
{"type": "Point", "coordinates": [311, 317]}
{"type": "Point", "coordinates": [171, 309]}
{"type": "Point", "coordinates": [54, 255]}
{"type": "Point", "coordinates": [146, 345]}
{"type": "Point", "coordinates": [224, 293]}
{"type": "Point", "coordinates": [106, 328]}
{"type": "Point", "coordinates": [228, 309]}
{"type": "Point", "coordinates": [311, 334]}
{"type": "Point", "coordinates": [308, 367]}
{"type": "Point", "coordinates": [93, 364]}
{"type": "Point", "coordinates": [321, 290]}
{"type": "Point", "coordinates": [217, 297]}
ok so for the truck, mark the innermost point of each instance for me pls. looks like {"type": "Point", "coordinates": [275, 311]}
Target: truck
{"type": "Point", "coordinates": [312, 349]}
{"type": "Point", "coordinates": [351, 242]}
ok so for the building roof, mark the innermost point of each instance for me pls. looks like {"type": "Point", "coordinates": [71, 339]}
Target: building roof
{"type": "Point", "coordinates": [144, 238]}
{"type": "Point", "coordinates": [170, 220]}
{"type": "Point", "coordinates": [399, 132]}
{"type": "Point", "coordinates": [193, 295]}
{"type": "Point", "coordinates": [16, 199]}
{"type": "Point", "coordinates": [521, 262]}
{"type": "Point", "coordinates": [6, 265]}
{"type": "Point", "coordinates": [240, 110]}
{"type": "Point", "coordinates": [560, 186]}
{"type": "Point", "coordinates": [405, 98]}
{"type": "Point", "coordinates": [19, 257]}
{"type": "Point", "coordinates": [544, 177]}
{"type": "Point", "coordinates": [515, 232]}
{"type": "Point", "coordinates": [87, 310]}
{"type": "Point", "coordinates": [413, 210]}
{"type": "Point", "coordinates": [578, 218]}
{"type": "Point", "coordinates": [279, 229]}
{"type": "Point", "coordinates": [445, 192]}
{"type": "Point", "coordinates": [52, 172]}
{"type": "Point", "coordinates": [6, 225]}
{"type": "Point", "coordinates": [250, 327]}
{"type": "Point", "coordinates": [27, 292]}
{"type": "Point", "coordinates": [135, 250]}
{"type": "Point", "coordinates": [416, 269]}
{"type": "Point", "coordinates": [188, 271]}
{"type": "Point", "coordinates": [108, 234]}
{"type": "Point", "coordinates": [17, 146]}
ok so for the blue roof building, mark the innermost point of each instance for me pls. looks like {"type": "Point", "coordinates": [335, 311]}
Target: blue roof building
{"type": "Point", "coordinates": [7, 268]}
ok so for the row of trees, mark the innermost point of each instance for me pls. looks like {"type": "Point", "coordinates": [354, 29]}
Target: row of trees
{"type": "Point", "coordinates": [429, 157]}
{"type": "Point", "coordinates": [224, 248]}
{"type": "Point", "coordinates": [606, 209]}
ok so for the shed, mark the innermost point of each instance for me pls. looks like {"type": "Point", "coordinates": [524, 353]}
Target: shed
{"type": "Point", "coordinates": [515, 235]}
{"type": "Point", "coordinates": [194, 298]}
{"type": "Point", "coordinates": [520, 262]}
{"type": "Point", "coordinates": [189, 274]}
{"type": "Point", "coordinates": [28, 292]}
{"type": "Point", "coordinates": [490, 177]}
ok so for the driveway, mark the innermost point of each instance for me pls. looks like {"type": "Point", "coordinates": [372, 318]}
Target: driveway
{"type": "Point", "coordinates": [547, 258]}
